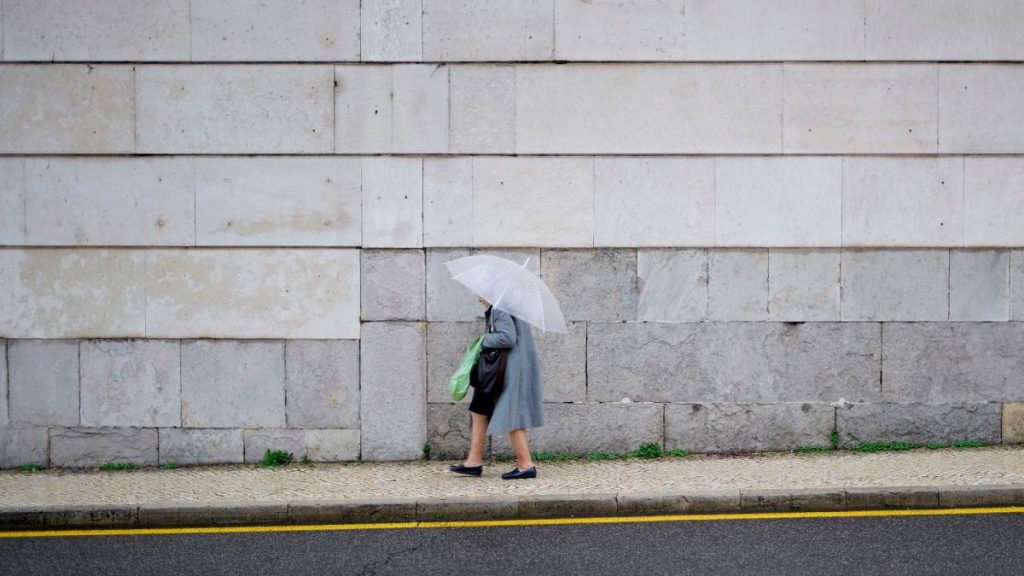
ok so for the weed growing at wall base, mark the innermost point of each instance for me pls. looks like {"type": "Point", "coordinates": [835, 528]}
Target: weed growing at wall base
{"type": "Point", "coordinates": [275, 458]}
{"type": "Point", "coordinates": [119, 466]}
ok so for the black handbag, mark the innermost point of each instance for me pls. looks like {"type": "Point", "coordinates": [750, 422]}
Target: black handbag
{"type": "Point", "coordinates": [488, 376]}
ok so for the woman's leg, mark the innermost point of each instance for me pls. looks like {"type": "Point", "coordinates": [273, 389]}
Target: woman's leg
{"type": "Point", "coordinates": [477, 439]}
{"type": "Point", "coordinates": [518, 439]}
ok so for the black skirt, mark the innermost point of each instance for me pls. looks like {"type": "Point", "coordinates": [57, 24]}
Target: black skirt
{"type": "Point", "coordinates": [482, 403]}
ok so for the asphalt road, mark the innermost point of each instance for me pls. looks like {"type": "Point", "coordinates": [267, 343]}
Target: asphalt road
{"type": "Point", "coordinates": [968, 544]}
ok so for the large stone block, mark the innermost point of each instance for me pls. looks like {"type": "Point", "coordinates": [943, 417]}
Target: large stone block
{"type": "Point", "coordinates": [448, 429]}
{"type": "Point", "coordinates": [268, 201]}
{"type": "Point", "coordinates": [234, 108]}
{"type": "Point", "coordinates": [903, 201]}
{"type": "Point", "coordinates": [252, 293]}
{"type": "Point", "coordinates": [943, 30]}
{"type": "Point", "coordinates": [320, 30]}
{"type": "Point", "coordinates": [23, 446]}
{"type": "Point", "coordinates": [200, 445]}
{"type": "Point", "coordinates": [803, 284]}
{"type": "Point", "coordinates": [58, 293]}
{"type": "Point", "coordinates": [392, 202]}
{"type": "Point", "coordinates": [446, 345]}
{"type": "Point", "coordinates": [593, 284]}
{"type": "Point", "coordinates": [393, 394]}
{"type": "Point", "coordinates": [894, 285]}
{"type": "Point", "coordinates": [391, 30]}
{"type": "Point", "coordinates": [419, 108]}
{"type": "Point", "coordinates": [332, 445]}
{"type": "Point", "coordinates": [685, 30]}
{"type": "Point", "coordinates": [953, 362]}
{"type": "Point", "coordinates": [563, 363]}
{"type": "Point", "coordinates": [447, 300]}
{"type": "Point", "coordinates": [993, 204]}
{"type": "Point", "coordinates": [483, 108]}
{"type": "Point", "coordinates": [1013, 423]}
{"type": "Point", "coordinates": [1017, 285]}
{"type": "Point", "coordinates": [362, 108]}
{"type": "Point", "coordinates": [232, 384]}
{"type": "Point", "coordinates": [4, 420]}
{"type": "Point", "coordinates": [578, 428]}
{"type": "Point", "coordinates": [757, 362]}
{"type": "Point", "coordinates": [648, 108]}
{"type": "Point", "coordinates": [257, 441]}
{"type": "Point", "coordinates": [130, 382]}
{"type": "Point", "coordinates": [979, 285]}
{"type": "Point", "coordinates": [860, 108]}
{"type": "Point", "coordinates": [43, 384]}
{"type": "Point", "coordinates": [392, 285]}
{"type": "Point", "coordinates": [448, 201]}
{"type": "Point", "coordinates": [918, 423]}
{"type": "Point", "coordinates": [672, 285]}
{"type": "Point", "coordinates": [78, 447]}
{"type": "Point", "coordinates": [778, 201]}
{"type": "Point", "coordinates": [322, 383]}
{"type": "Point", "coordinates": [981, 108]}
{"type": "Point", "coordinates": [536, 202]}
{"type": "Point", "coordinates": [737, 284]}
{"type": "Point", "coordinates": [109, 201]}
{"type": "Point", "coordinates": [485, 30]}
{"type": "Point", "coordinates": [12, 201]}
{"type": "Point", "coordinates": [747, 427]}
{"type": "Point", "coordinates": [654, 201]}
{"type": "Point", "coordinates": [67, 109]}
{"type": "Point", "coordinates": [47, 30]}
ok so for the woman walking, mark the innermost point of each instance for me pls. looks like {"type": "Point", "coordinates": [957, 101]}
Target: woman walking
{"type": "Point", "coordinates": [518, 405]}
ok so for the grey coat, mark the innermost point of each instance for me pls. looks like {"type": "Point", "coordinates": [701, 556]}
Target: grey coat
{"type": "Point", "coordinates": [519, 405]}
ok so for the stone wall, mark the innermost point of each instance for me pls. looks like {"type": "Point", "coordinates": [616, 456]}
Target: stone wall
{"type": "Point", "coordinates": [223, 227]}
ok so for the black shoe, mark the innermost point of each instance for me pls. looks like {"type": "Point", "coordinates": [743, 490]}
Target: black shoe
{"type": "Point", "coordinates": [515, 474]}
{"type": "Point", "coordinates": [468, 470]}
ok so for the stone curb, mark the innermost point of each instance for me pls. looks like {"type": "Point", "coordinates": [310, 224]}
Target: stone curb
{"type": "Point", "coordinates": [499, 507]}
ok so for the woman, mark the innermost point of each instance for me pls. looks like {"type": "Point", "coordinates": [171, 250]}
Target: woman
{"type": "Point", "coordinates": [518, 405]}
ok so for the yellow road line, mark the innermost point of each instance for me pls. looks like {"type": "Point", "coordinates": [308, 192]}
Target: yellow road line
{"type": "Point", "coordinates": [524, 522]}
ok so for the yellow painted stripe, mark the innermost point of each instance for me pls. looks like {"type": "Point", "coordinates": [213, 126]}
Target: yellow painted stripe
{"type": "Point", "coordinates": [524, 522]}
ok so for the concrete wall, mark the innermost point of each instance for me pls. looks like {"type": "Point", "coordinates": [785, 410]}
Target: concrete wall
{"type": "Point", "coordinates": [223, 227]}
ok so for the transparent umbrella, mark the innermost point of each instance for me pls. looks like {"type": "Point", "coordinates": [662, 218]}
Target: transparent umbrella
{"type": "Point", "coordinates": [510, 287]}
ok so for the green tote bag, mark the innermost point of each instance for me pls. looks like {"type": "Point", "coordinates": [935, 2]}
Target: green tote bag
{"type": "Point", "coordinates": [459, 384]}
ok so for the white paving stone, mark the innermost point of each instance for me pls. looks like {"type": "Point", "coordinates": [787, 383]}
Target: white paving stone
{"type": "Point", "coordinates": [448, 202]}
{"type": "Point", "coordinates": [483, 108]}
{"type": "Point", "coordinates": [488, 30]}
{"type": "Point", "coordinates": [979, 285]}
{"type": "Point", "coordinates": [392, 202]}
{"type": "Point", "coordinates": [362, 108]}
{"type": "Point", "coordinates": [981, 109]}
{"type": "Point", "coordinates": [12, 201]}
{"type": "Point", "coordinates": [944, 30]}
{"type": "Point", "coordinates": [993, 201]}
{"type": "Point", "coordinates": [803, 285]}
{"type": "Point", "coordinates": [419, 122]}
{"type": "Point", "coordinates": [895, 285]}
{"type": "Point", "coordinates": [391, 30]}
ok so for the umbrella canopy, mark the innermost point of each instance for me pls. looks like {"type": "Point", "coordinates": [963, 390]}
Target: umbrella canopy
{"type": "Point", "coordinates": [510, 287]}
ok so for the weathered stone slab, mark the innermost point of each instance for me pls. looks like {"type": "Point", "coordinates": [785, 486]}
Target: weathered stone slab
{"type": "Point", "coordinates": [4, 421]}
{"type": "Point", "coordinates": [1017, 285]}
{"type": "Point", "coordinates": [447, 300]}
{"type": "Point", "coordinates": [448, 429]}
{"type": "Point", "coordinates": [902, 497]}
{"type": "Point", "coordinates": [67, 109]}
{"type": "Point", "coordinates": [392, 202]}
{"type": "Point", "coordinates": [392, 285]}
{"type": "Point", "coordinates": [993, 204]}
{"type": "Point", "coordinates": [721, 362]}
{"type": "Point", "coordinates": [446, 345]}
{"type": "Point", "coordinates": [563, 363]}
{"type": "Point", "coordinates": [979, 287]}
{"type": "Point", "coordinates": [200, 445]}
{"type": "Point", "coordinates": [130, 383]}
{"type": "Point", "coordinates": [737, 284]}
{"type": "Point", "coordinates": [941, 30]}
{"type": "Point", "coordinates": [233, 31]}
{"type": "Point", "coordinates": [918, 423]}
{"type": "Point", "coordinates": [146, 30]}
{"type": "Point", "coordinates": [674, 502]}
{"type": "Point", "coordinates": [232, 384]}
{"type": "Point", "coordinates": [747, 427]}
{"type": "Point", "coordinates": [322, 383]}
{"type": "Point", "coordinates": [953, 362]}
{"type": "Point", "coordinates": [23, 446]}
{"type": "Point", "coordinates": [234, 108]}
{"type": "Point", "coordinates": [593, 284]}
{"type": "Point", "coordinates": [895, 285]}
{"type": "Point", "coordinates": [483, 108]}
{"type": "Point", "coordinates": [860, 108]}
{"type": "Point", "coordinates": [43, 384]}
{"type": "Point", "coordinates": [393, 392]}
{"type": "Point", "coordinates": [419, 108]}
{"type": "Point", "coordinates": [654, 201]}
{"type": "Point", "coordinates": [258, 440]}
{"type": "Point", "coordinates": [649, 108]}
{"type": "Point", "coordinates": [448, 201]}
{"type": "Point", "coordinates": [803, 284]}
{"type": "Point", "coordinates": [684, 30]}
{"type": "Point", "coordinates": [578, 428]}
{"type": "Point", "coordinates": [981, 108]}
{"type": "Point", "coordinates": [268, 201]}
{"type": "Point", "coordinates": [391, 30]}
{"type": "Point", "coordinates": [1013, 423]}
{"type": "Point", "coordinates": [672, 285]}
{"type": "Point", "coordinates": [79, 447]}
{"type": "Point", "coordinates": [484, 30]}
{"type": "Point", "coordinates": [778, 201]}
{"type": "Point", "coordinates": [536, 202]}
{"type": "Point", "coordinates": [252, 293]}
{"type": "Point", "coordinates": [903, 201]}
{"type": "Point", "coordinates": [362, 108]}
{"type": "Point", "coordinates": [12, 201]}
{"type": "Point", "coordinates": [332, 445]}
